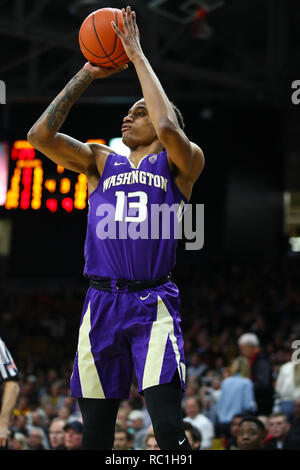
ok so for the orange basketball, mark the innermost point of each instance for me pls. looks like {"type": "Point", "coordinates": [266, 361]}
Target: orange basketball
{"type": "Point", "coordinates": [98, 42]}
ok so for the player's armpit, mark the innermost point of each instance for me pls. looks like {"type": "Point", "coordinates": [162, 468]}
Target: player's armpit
{"type": "Point", "coordinates": [187, 156]}
{"type": "Point", "coordinates": [66, 151]}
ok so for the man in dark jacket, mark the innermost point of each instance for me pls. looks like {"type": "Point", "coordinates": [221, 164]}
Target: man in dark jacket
{"type": "Point", "coordinates": [279, 427]}
{"type": "Point", "coordinates": [292, 441]}
{"type": "Point", "coordinates": [261, 372]}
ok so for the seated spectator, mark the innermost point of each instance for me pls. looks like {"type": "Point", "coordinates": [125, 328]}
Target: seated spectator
{"type": "Point", "coordinates": [39, 420]}
{"type": "Point", "coordinates": [64, 412]}
{"type": "Point", "coordinates": [17, 441]}
{"type": "Point", "coordinates": [150, 442]}
{"type": "Point", "coordinates": [57, 434]}
{"type": "Point", "coordinates": [287, 387]}
{"type": "Point", "coordinates": [73, 435]}
{"type": "Point", "coordinates": [20, 425]}
{"type": "Point", "coordinates": [35, 439]}
{"type": "Point", "coordinates": [22, 408]}
{"type": "Point", "coordinates": [210, 394]}
{"type": "Point", "coordinates": [122, 416]}
{"type": "Point", "coordinates": [251, 434]}
{"type": "Point", "coordinates": [292, 441]}
{"type": "Point", "coordinates": [197, 367]}
{"type": "Point", "coordinates": [278, 428]}
{"type": "Point", "coordinates": [201, 422]}
{"type": "Point", "coordinates": [49, 410]}
{"type": "Point", "coordinates": [237, 394]}
{"type": "Point", "coordinates": [194, 436]}
{"type": "Point", "coordinates": [123, 439]}
{"type": "Point", "coordinates": [136, 422]}
{"type": "Point", "coordinates": [230, 441]}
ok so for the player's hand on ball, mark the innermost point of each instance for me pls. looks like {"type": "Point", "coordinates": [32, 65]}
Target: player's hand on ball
{"type": "Point", "coordinates": [103, 72]}
{"type": "Point", "coordinates": [130, 38]}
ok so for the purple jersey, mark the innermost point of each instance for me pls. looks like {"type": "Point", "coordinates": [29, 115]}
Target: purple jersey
{"type": "Point", "coordinates": [130, 235]}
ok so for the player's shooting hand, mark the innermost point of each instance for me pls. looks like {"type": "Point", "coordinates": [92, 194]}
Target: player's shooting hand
{"type": "Point", "coordinates": [102, 72]}
{"type": "Point", "coordinates": [131, 37]}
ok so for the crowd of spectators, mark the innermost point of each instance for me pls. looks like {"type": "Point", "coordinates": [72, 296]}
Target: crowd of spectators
{"type": "Point", "coordinates": [240, 324]}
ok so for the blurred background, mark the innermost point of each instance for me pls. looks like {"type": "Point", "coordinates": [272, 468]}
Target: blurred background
{"type": "Point", "coordinates": [229, 66]}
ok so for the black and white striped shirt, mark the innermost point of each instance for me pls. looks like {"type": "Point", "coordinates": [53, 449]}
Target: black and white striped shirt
{"type": "Point", "coordinates": [8, 369]}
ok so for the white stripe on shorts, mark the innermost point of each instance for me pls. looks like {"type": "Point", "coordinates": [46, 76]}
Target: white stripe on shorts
{"type": "Point", "coordinates": [161, 329]}
{"type": "Point", "coordinates": [89, 379]}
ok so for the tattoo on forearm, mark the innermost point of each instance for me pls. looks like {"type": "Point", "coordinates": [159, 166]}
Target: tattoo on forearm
{"type": "Point", "coordinates": [57, 111]}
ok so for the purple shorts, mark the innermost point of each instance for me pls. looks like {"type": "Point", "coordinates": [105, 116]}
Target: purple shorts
{"type": "Point", "coordinates": [122, 330]}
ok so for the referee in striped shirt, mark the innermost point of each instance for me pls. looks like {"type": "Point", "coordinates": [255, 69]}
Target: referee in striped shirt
{"type": "Point", "coordinates": [9, 377]}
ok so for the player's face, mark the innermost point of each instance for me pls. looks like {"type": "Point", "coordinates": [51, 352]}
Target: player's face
{"type": "Point", "coordinates": [137, 129]}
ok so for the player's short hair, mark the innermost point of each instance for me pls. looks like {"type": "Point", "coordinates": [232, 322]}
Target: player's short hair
{"type": "Point", "coordinates": [178, 115]}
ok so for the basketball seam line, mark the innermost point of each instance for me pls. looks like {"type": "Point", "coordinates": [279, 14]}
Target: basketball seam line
{"type": "Point", "coordinates": [99, 56]}
{"type": "Point", "coordinates": [116, 40]}
{"type": "Point", "coordinates": [101, 44]}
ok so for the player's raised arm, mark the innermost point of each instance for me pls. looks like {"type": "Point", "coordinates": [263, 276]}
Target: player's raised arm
{"type": "Point", "coordinates": [60, 148]}
{"type": "Point", "coordinates": [187, 156]}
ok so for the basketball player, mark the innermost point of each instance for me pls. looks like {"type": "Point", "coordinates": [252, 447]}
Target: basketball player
{"type": "Point", "coordinates": [130, 318]}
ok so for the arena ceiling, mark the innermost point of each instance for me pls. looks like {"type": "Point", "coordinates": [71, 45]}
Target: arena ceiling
{"type": "Point", "coordinates": [208, 50]}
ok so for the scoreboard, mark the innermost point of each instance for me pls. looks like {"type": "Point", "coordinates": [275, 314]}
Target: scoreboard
{"type": "Point", "coordinates": [30, 182]}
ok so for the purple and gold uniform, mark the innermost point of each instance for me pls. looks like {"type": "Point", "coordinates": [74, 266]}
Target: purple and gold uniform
{"type": "Point", "coordinates": [121, 330]}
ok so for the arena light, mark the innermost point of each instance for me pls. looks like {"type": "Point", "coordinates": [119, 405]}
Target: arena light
{"type": "Point", "coordinates": [80, 195]}
{"type": "Point", "coordinates": [26, 191]}
{"type": "Point", "coordinates": [4, 157]}
{"type": "Point", "coordinates": [67, 204]}
{"type": "Point", "coordinates": [51, 204]}
{"type": "Point", "coordinates": [50, 185]}
{"type": "Point", "coordinates": [22, 150]}
{"type": "Point", "coordinates": [295, 243]}
{"type": "Point", "coordinates": [117, 145]}
{"type": "Point", "coordinates": [65, 185]}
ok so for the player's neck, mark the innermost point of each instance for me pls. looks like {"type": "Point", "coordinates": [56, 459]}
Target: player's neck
{"type": "Point", "coordinates": [137, 154]}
